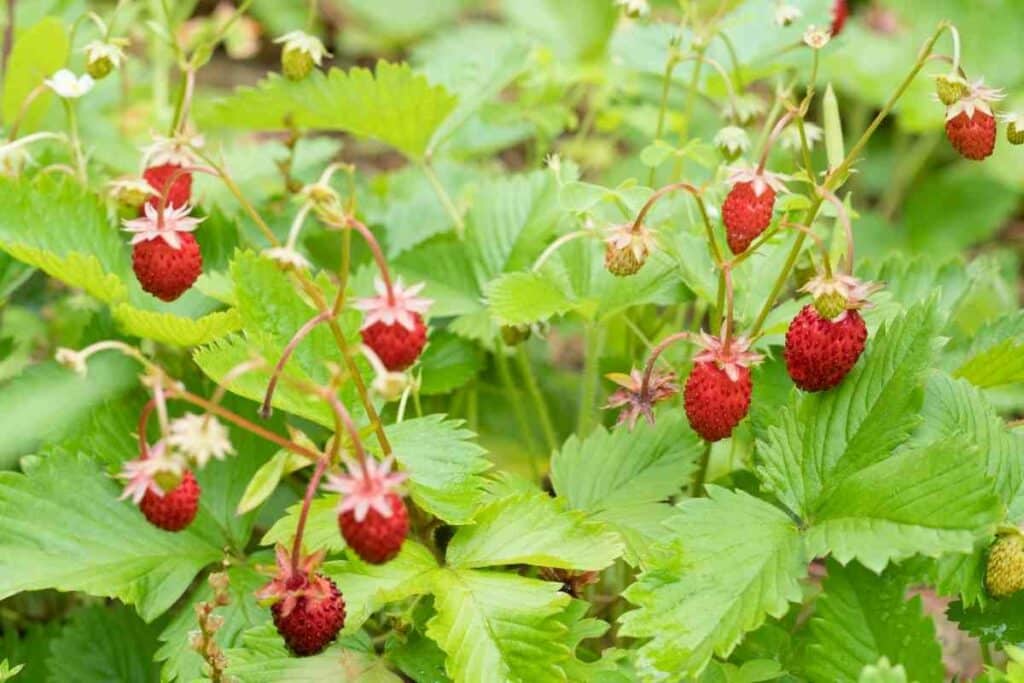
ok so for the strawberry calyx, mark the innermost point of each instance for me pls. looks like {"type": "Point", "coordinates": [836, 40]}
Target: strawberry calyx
{"type": "Point", "coordinates": [730, 354]}
{"type": "Point", "coordinates": [835, 295]}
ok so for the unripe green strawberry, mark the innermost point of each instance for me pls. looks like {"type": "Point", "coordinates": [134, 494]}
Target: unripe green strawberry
{"type": "Point", "coordinates": [830, 305]}
{"type": "Point", "coordinates": [513, 335]}
{"type": "Point", "coordinates": [296, 64]}
{"type": "Point", "coordinates": [950, 88]}
{"type": "Point", "coordinates": [626, 249]}
{"type": "Point", "coordinates": [1004, 572]}
{"type": "Point", "coordinates": [1014, 129]}
{"type": "Point", "coordinates": [99, 68]}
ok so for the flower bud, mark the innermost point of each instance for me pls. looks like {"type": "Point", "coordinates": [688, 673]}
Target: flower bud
{"type": "Point", "coordinates": [950, 88]}
{"type": "Point", "coordinates": [103, 57]}
{"type": "Point", "coordinates": [513, 335]}
{"type": "Point", "coordinates": [732, 142]}
{"type": "Point", "coordinates": [300, 54]}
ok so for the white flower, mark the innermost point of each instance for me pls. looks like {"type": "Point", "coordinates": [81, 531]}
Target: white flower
{"type": "Point", "coordinates": [167, 227]}
{"type": "Point", "coordinates": [141, 474]}
{"type": "Point", "coordinates": [786, 14]}
{"type": "Point", "coordinates": [733, 139]}
{"type": "Point", "coordinates": [66, 84]}
{"type": "Point", "coordinates": [365, 489]}
{"type": "Point", "coordinates": [172, 150]}
{"type": "Point", "coordinates": [287, 256]}
{"type": "Point", "coordinates": [398, 308]}
{"type": "Point", "coordinates": [303, 42]}
{"type": "Point", "coordinates": [817, 38]}
{"type": "Point", "coordinates": [72, 360]}
{"type": "Point", "coordinates": [635, 8]}
{"type": "Point", "coordinates": [200, 437]}
{"type": "Point", "coordinates": [98, 49]}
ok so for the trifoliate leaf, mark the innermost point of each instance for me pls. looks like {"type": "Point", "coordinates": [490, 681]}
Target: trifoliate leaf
{"type": "Point", "coordinates": [66, 529]}
{"type": "Point", "coordinates": [525, 298]}
{"type": "Point", "coordinates": [498, 627]}
{"type": "Point", "coordinates": [863, 617]}
{"type": "Point", "coordinates": [733, 561]}
{"type": "Point", "coordinates": [394, 105]}
{"type": "Point", "coordinates": [532, 529]}
{"type": "Point", "coordinates": [103, 643]}
{"type": "Point", "coordinates": [444, 466]}
{"type": "Point", "coordinates": [448, 363]}
{"type": "Point", "coordinates": [176, 330]}
{"type": "Point", "coordinates": [368, 587]}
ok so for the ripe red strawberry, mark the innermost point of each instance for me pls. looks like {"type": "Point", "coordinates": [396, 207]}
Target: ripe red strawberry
{"type": "Point", "coordinates": [820, 351]}
{"type": "Point", "coordinates": [166, 272]}
{"type": "Point", "coordinates": [393, 326]}
{"type": "Point", "coordinates": [717, 392]}
{"type": "Point", "coordinates": [396, 346]}
{"type": "Point", "coordinates": [973, 136]}
{"type": "Point", "coordinates": [372, 517]}
{"type": "Point", "coordinates": [714, 403]}
{"type": "Point", "coordinates": [175, 509]}
{"type": "Point", "coordinates": [180, 191]}
{"type": "Point", "coordinates": [746, 215]}
{"type": "Point", "coordinates": [377, 538]}
{"type": "Point", "coordinates": [308, 608]}
{"type": "Point", "coordinates": [971, 123]}
{"type": "Point", "coordinates": [747, 209]}
{"type": "Point", "coordinates": [840, 13]}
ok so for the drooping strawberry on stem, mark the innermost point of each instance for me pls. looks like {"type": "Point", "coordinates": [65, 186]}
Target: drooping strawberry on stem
{"type": "Point", "coordinates": [167, 165]}
{"type": "Point", "coordinates": [307, 607]}
{"type": "Point", "coordinates": [971, 123]}
{"type": "Point", "coordinates": [163, 487]}
{"type": "Point", "coordinates": [717, 392]}
{"type": "Point", "coordinates": [372, 517]}
{"type": "Point", "coordinates": [165, 255]}
{"type": "Point", "coordinates": [827, 337]}
{"type": "Point", "coordinates": [393, 326]}
{"type": "Point", "coordinates": [747, 209]}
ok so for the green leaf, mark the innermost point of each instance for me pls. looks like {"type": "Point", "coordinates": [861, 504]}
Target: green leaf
{"type": "Point", "coordinates": [448, 363]}
{"type": "Point", "coordinates": [181, 662]}
{"type": "Point", "coordinates": [994, 356]}
{"type": "Point", "coordinates": [101, 644]}
{"type": "Point", "coordinates": [733, 560]}
{"type": "Point", "coordinates": [417, 657]}
{"type": "Point", "coordinates": [322, 530]}
{"type": "Point", "coordinates": [176, 330]}
{"type": "Point", "coordinates": [883, 672]}
{"type": "Point", "coordinates": [394, 105]}
{"type": "Point", "coordinates": [368, 587]}
{"type": "Point", "coordinates": [525, 298]}
{"type": "Point", "coordinates": [27, 416]}
{"type": "Point", "coordinates": [531, 529]}
{"type": "Point", "coordinates": [66, 529]}
{"type": "Point", "coordinates": [572, 30]}
{"type": "Point", "coordinates": [60, 228]}
{"type": "Point", "coordinates": [38, 53]}
{"type": "Point", "coordinates": [267, 477]}
{"type": "Point", "coordinates": [621, 477]}
{"type": "Point", "coordinates": [498, 627]}
{"type": "Point", "coordinates": [1000, 621]}
{"type": "Point", "coordinates": [262, 658]}
{"type": "Point", "coordinates": [821, 438]}
{"type": "Point", "coordinates": [953, 406]}
{"type": "Point", "coordinates": [443, 464]}
{"type": "Point", "coordinates": [863, 617]}
{"type": "Point", "coordinates": [929, 500]}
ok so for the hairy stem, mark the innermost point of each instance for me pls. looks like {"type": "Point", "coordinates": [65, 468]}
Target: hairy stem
{"type": "Point", "coordinates": [307, 500]}
{"type": "Point", "coordinates": [302, 333]}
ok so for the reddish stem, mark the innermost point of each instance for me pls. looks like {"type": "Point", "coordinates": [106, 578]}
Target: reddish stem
{"type": "Point", "coordinates": [171, 179]}
{"type": "Point", "coordinates": [658, 194]}
{"type": "Point", "coordinates": [378, 254]}
{"type": "Point", "coordinates": [266, 409]}
{"type": "Point", "coordinates": [728, 322]}
{"type": "Point", "coordinates": [655, 352]}
{"type": "Point", "coordinates": [240, 421]}
{"type": "Point", "coordinates": [300, 528]}
{"type": "Point", "coordinates": [342, 414]}
{"type": "Point", "coordinates": [147, 410]}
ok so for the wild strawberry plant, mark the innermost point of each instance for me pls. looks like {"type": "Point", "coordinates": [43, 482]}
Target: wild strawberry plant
{"type": "Point", "coordinates": [561, 341]}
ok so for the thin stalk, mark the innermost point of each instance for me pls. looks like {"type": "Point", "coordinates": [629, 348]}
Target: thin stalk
{"type": "Point", "coordinates": [556, 245]}
{"type": "Point", "coordinates": [691, 96]}
{"type": "Point", "coordinates": [446, 200]}
{"type": "Point", "coordinates": [8, 40]}
{"type": "Point", "coordinates": [539, 403]}
{"type": "Point", "coordinates": [654, 355]}
{"type": "Point", "coordinates": [144, 414]}
{"type": "Point", "coordinates": [697, 489]}
{"type": "Point", "coordinates": [589, 383]}
{"type": "Point", "coordinates": [293, 343]}
{"type": "Point", "coordinates": [307, 500]}
{"type": "Point", "coordinates": [666, 86]}
{"type": "Point", "coordinates": [525, 428]}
